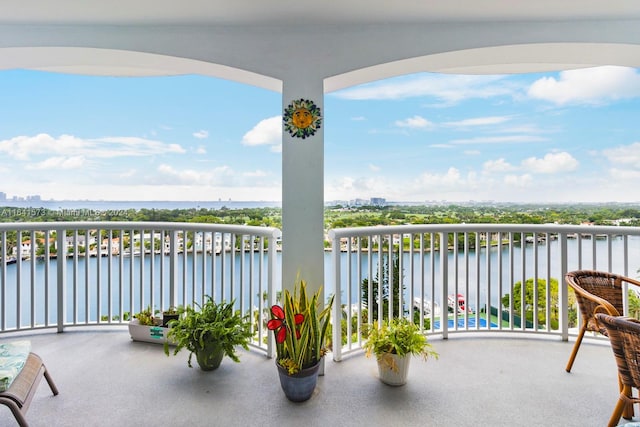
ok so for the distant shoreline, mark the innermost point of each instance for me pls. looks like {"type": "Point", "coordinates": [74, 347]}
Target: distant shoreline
{"type": "Point", "coordinates": [102, 205]}
{"type": "Point", "coordinates": [126, 204]}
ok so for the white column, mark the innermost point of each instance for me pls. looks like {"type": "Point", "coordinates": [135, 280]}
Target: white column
{"type": "Point", "coordinates": [303, 191]}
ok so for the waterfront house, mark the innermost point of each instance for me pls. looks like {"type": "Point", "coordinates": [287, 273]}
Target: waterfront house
{"type": "Point", "coordinates": [110, 246]}
{"type": "Point", "coordinates": [25, 248]}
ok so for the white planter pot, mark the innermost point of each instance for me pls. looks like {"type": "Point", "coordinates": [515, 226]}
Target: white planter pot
{"type": "Point", "coordinates": [154, 334]}
{"type": "Point", "coordinates": [393, 369]}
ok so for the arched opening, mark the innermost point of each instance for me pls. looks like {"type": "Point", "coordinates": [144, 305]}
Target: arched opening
{"type": "Point", "coordinates": [135, 126]}
{"type": "Point", "coordinates": [527, 123]}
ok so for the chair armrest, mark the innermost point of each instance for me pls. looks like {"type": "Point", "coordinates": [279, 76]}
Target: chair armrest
{"type": "Point", "coordinates": [630, 281]}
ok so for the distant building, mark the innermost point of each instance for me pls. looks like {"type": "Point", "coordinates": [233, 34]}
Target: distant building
{"type": "Point", "coordinates": [358, 202]}
{"type": "Point", "coordinates": [378, 201]}
{"type": "Point", "coordinates": [3, 196]}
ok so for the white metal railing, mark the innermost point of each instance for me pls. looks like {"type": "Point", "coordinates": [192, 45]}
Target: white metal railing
{"type": "Point", "coordinates": [476, 284]}
{"type": "Point", "coordinates": [60, 274]}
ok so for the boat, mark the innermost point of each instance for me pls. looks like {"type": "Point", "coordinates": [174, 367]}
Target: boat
{"type": "Point", "coordinates": [453, 301]}
{"type": "Point", "coordinates": [426, 306]}
{"type": "Point", "coordinates": [458, 300]}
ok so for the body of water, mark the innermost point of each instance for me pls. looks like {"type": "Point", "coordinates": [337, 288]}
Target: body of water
{"type": "Point", "coordinates": [479, 280]}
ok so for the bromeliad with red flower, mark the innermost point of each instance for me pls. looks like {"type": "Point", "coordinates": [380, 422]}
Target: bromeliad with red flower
{"type": "Point", "coordinates": [300, 328]}
{"type": "Point", "coordinates": [279, 325]}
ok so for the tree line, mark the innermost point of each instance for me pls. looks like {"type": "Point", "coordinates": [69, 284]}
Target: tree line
{"type": "Point", "coordinates": [347, 216]}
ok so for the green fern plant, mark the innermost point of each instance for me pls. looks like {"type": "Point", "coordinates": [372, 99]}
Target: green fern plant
{"type": "Point", "coordinates": [211, 322]}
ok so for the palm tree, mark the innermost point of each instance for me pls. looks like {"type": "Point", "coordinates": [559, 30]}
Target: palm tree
{"type": "Point", "coordinates": [373, 303]}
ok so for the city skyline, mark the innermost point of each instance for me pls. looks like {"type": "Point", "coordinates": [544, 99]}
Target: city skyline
{"type": "Point", "coordinates": [545, 137]}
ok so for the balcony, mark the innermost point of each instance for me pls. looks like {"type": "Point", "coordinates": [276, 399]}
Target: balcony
{"type": "Point", "coordinates": [105, 379]}
{"type": "Point", "coordinates": [496, 367]}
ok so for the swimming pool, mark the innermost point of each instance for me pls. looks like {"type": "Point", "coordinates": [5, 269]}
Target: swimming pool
{"type": "Point", "coordinates": [482, 323]}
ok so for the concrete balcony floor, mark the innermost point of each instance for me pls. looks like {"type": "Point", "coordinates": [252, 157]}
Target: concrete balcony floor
{"type": "Point", "coordinates": [105, 379]}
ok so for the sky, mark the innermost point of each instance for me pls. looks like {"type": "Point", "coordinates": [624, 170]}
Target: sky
{"type": "Point", "coordinates": [569, 136]}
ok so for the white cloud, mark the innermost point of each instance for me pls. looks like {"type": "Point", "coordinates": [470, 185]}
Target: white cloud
{"type": "Point", "coordinates": [201, 134]}
{"type": "Point", "coordinates": [517, 139]}
{"type": "Point", "coordinates": [524, 128]}
{"type": "Point", "coordinates": [624, 155]}
{"type": "Point", "coordinates": [192, 177]}
{"type": "Point", "coordinates": [478, 121]}
{"type": "Point", "coordinates": [27, 147]}
{"type": "Point", "coordinates": [256, 173]}
{"type": "Point", "coordinates": [266, 132]}
{"type": "Point", "coordinates": [451, 180]}
{"type": "Point", "coordinates": [448, 88]}
{"type": "Point", "coordinates": [627, 176]}
{"type": "Point", "coordinates": [226, 176]}
{"type": "Point", "coordinates": [201, 150]}
{"type": "Point", "coordinates": [122, 146]}
{"type": "Point", "coordinates": [345, 183]}
{"type": "Point", "coordinates": [497, 166]}
{"type": "Point", "coordinates": [276, 148]}
{"type": "Point", "coordinates": [588, 86]}
{"type": "Point", "coordinates": [57, 163]}
{"type": "Point", "coordinates": [24, 147]}
{"type": "Point", "coordinates": [551, 163]}
{"type": "Point", "coordinates": [374, 168]}
{"type": "Point", "coordinates": [415, 122]}
{"type": "Point", "coordinates": [358, 118]}
{"type": "Point", "coordinates": [519, 181]}
{"type": "Point", "coordinates": [347, 187]}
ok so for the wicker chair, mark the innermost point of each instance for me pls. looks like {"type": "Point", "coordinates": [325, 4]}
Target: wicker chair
{"type": "Point", "coordinates": [596, 292]}
{"type": "Point", "coordinates": [624, 335]}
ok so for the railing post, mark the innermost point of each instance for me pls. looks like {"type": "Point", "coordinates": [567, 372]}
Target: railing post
{"type": "Point", "coordinates": [173, 269]}
{"type": "Point", "coordinates": [61, 263]}
{"type": "Point", "coordinates": [337, 304]}
{"type": "Point", "coordinates": [271, 288]}
{"type": "Point", "coordinates": [625, 272]}
{"type": "Point", "coordinates": [563, 298]}
{"type": "Point", "coordinates": [3, 279]}
{"type": "Point", "coordinates": [444, 275]}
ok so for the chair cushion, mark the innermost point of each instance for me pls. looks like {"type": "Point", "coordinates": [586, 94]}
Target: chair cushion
{"type": "Point", "coordinates": [13, 356]}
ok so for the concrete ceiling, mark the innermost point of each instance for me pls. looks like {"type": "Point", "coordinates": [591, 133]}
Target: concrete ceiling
{"type": "Point", "coordinates": [326, 12]}
{"type": "Point", "coordinates": [341, 42]}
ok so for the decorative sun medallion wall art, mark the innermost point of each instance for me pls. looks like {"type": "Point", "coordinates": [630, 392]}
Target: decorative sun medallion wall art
{"type": "Point", "coordinates": [302, 118]}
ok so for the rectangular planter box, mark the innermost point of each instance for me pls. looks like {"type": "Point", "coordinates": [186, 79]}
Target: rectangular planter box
{"type": "Point", "coordinates": [153, 334]}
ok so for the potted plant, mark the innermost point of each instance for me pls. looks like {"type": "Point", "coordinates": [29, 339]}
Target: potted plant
{"type": "Point", "coordinates": [300, 327]}
{"type": "Point", "coordinates": [393, 344]}
{"type": "Point", "coordinates": [168, 315]}
{"type": "Point", "coordinates": [147, 328]}
{"type": "Point", "coordinates": [211, 331]}
{"type": "Point", "coordinates": [145, 317]}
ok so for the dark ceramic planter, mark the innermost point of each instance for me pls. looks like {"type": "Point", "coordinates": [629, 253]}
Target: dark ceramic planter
{"type": "Point", "coordinates": [210, 357]}
{"type": "Point", "coordinates": [299, 387]}
{"type": "Point", "coordinates": [166, 318]}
